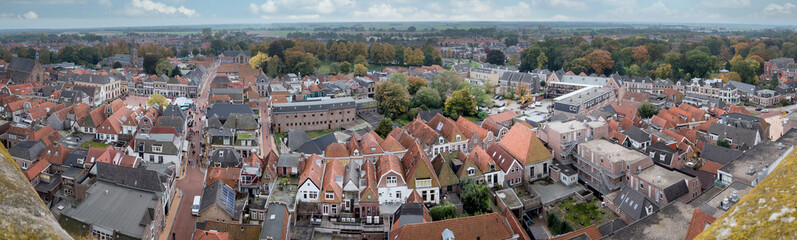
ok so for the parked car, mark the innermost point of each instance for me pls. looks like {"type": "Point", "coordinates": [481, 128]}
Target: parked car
{"type": "Point", "coordinates": [758, 109]}
{"type": "Point", "coordinates": [765, 111]}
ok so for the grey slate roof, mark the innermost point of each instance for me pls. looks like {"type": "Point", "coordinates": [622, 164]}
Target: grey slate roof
{"type": "Point", "coordinates": [676, 190]}
{"type": "Point", "coordinates": [215, 193]}
{"type": "Point", "coordinates": [273, 225]}
{"type": "Point", "coordinates": [226, 157]}
{"type": "Point", "coordinates": [28, 150]}
{"type": "Point", "coordinates": [744, 87]}
{"type": "Point", "coordinates": [719, 154]}
{"type": "Point", "coordinates": [671, 222]}
{"type": "Point", "coordinates": [135, 178]}
{"type": "Point", "coordinates": [233, 53]}
{"type": "Point", "coordinates": [637, 134]}
{"type": "Point", "coordinates": [21, 64]}
{"type": "Point", "coordinates": [740, 136]}
{"type": "Point", "coordinates": [177, 123]}
{"type": "Point", "coordinates": [223, 110]}
{"type": "Point", "coordinates": [427, 116]}
{"type": "Point", "coordinates": [658, 149]}
{"type": "Point", "coordinates": [288, 160]}
{"type": "Point", "coordinates": [72, 159]}
{"type": "Point", "coordinates": [296, 138]}
{"type": "Point", "coordinates": [173, 111]}
{"type": "Point", "coordinates": [318, 145]}
{"type": "Point", "coordinates": [122, 209]}
{"type": "Point", "coordinates": [633, 203]}
{"type": "Point", "coordinates": [241, 122]}
{"type": "Point", "coordinates": [314, 106]}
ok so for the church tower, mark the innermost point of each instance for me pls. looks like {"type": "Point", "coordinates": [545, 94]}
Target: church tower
{"type": "Point", "coordinates": [133, 55]}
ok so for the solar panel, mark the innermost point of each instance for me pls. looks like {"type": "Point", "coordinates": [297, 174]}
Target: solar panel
{"type": "Point", "coordinates": [228, 198]}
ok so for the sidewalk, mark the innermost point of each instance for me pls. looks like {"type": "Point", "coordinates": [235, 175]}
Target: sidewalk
{"type": "Point", "coordinates": [167, 229]}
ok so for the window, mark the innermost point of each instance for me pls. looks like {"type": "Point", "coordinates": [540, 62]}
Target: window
{"type": "Point", "coordinates": [373, 149]}
{"type": "Point", "coordinates": [398, 194]}
{"type": "Point", "coordinates": [313, 195]}
{"type": "Point", "coordinates": [661, 157]}
{"type": "Point", "coordinates": [157, 148]}
{"type": "Point", "coordinates": [471, 171]}
{"type": "Point", "coordinates": [641, 186]}
{"type": "Point", "coordinates": [329, 196]}
{"type": "Point", "coordinates": [392, 180]}
{"type": "Point", "coordinates": [459, 138]}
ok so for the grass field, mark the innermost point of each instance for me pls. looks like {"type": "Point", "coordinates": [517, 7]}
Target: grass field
{"type": "Point", "coordinates": [93, 144]}
{"type": "Point", "coordinates": [318, 133]}
{"type": "Point", "coordinates": [278, 137]}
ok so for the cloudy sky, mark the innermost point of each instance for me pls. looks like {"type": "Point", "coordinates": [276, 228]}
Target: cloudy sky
{"type": "Point", "coordinates": [119, 13]}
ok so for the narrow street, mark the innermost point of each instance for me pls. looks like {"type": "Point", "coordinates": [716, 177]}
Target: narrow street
{"type": "Point", "coordinates": [191, 184]}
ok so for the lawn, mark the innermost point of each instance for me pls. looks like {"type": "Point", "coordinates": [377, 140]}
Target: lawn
{"type": "Point", "coordinates": [375, 67]}
{"type": "Point", "coordinates": [473, 119]}
{"type": "Point", "coordinates": [278, 137]}
{"type": "Point", "coordinates": [324, 66]}
{"type": "Point", "coordinates": [475, 64]}
{"type": "Point", "coordinates": [318, 133]}
{"type": "Point", "coordinates": [93, 144]}
{"type": "Point", "coordinates": [577, 212]}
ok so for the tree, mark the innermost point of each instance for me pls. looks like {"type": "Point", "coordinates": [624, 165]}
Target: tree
{"type": "Point", "coordinates": [496, 57]}
{"type": "Point", "coordinates": [784, 102]}
{"type": "Point", "coordinates": [426, 98]}
{"type": "Point", "coordinates": [600, 60]}
{"type": "Point", "coordinates": [634, 71]}
{"type": "Point", "coordinates": [259, 61]}
{"type": "Point", "coordinates": [730, 76]}
{"type": "Point", "coordinates": [399, 78]}
{"type": "Point", "coordinates": [218, 46]}
{"type": "Point", "coordinates": [640, 54]}
{"type": "Point", "coordinates": [334, 68]}
{"type": "Point", "coordinates": [514, 60]}
{"type": "Point", "coordinates": [542, 61]}
{"type": "Point", "coordinates": [511, 40]}
{"type": "Point", "coordinates": [150, 62]}
{"type": "Point", "coordinates": [276, 48]}
{"type": "Point", "coordinates": [360, 59]}
{"type": "Point", "coordinates": [460, 103]}
{"type": "Point", "coordinates": [724, 143]}
{"type": "Point", "coordinates": [117, 65]}
{"type": "Point", "coordinates": [578, 65]}
{"type": "Point", "coordinates": [275, 66]}
{"type": "Point", "coordinates": [663, 71]}
{"type": "Point", "coordinates": [384, 127]}
{"type": "Point", "coordinates": [479, 92]}
{"type": "Point", "coordinates": [647, 110]}
{"type": "Point", "coordinates": [416, 83]}
{"type": "Point", "coordinates": [345, 68]}
{"type": "Point", "coordinates": [445, 83]}
{"type": "Point", "coordinates": [300, 62]}
{"type": "Point", "coordinates": [158, 99]}
{"type": "Point", "coordinates": [475, 197]}
{"type": "Point", "coordinates": [528, 58]}
{"type": "Point", "coordinates": [360, 70]}
{"type": "Point", "coordinates": [163, 67]}
{"type": "Point", "coordinates": [443, 211]}
{"type": "Point", "coordinates": [746, 68]}
{"type": "Point", "coordinates": [413, 57]}
{"type": "Point", "coordinates": [700, 63]}
{"type": "Point", "coordinates": [392, 97]}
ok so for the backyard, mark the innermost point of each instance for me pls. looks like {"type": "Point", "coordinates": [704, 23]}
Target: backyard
{"type": "Point", "coordinates": [93, 144]}
{"type": "Point", "coordinates": [580, 214]}
{"type": "Point", "coordinates": [318, 133]}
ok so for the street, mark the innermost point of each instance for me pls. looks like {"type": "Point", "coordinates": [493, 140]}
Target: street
{"type": "Point", "coordinates": [191, 185]}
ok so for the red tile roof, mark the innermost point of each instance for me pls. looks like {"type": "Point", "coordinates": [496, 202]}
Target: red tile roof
{"type": "Point", "coordinates": [230, 176]}
{"type": "Point", "coordinates": [418, 129]}
{"type": "Point", "coordinates": [211, 235]}
{"type": "Point", "coordinates": [590, 231]}
{"type": "Point", "coordinates": [485, 226]}
{"type": "Point", "coordinates": [333, 170]}
{"type": "Point", "coordinates": [482, 160]}
{"type": "Point", "coordinates": [311, 171]}
{"type": "Point", "coordinates": [524, 145]}
{"type": "Point", "coordinates": [502, 117]}
{"type": "Point", "coordinates": [55, 154]}
{"type": "Point", "coordinates": [391, 145]}
{"type": "Point", "coordinates": [36, 169]}
{"type": "Point", "coordinates": [336, 150]}
{"type": "Point", "coordinates": [700, 221]}
{"type": "Point", "coordinates": [471, 128]}
{"type": "Point", "coordinates": [711, 167]}
{"type": "Point", "coordinates": [46, 135]}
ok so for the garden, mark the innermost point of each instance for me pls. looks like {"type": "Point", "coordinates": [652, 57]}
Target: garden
{"type": "Point", "coordinates": [580, 214]}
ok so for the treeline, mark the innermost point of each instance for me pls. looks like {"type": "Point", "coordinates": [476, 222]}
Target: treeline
{"type": "Point", "coordinates": [48, 37]}
{"type": "Point", "coordinates": [89, 55]}
{"type": "Point", "coordinates": [304, 56]}
{"type": "Point", "coordinates": [674, 59]}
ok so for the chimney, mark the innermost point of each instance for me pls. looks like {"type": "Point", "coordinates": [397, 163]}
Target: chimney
{"type": "Point", "coordinates": [780, 146]}
{"type": "Point", "coordinates": [658, 179]}
{"type": "Point", "coordinates": [106, 192]}
{"type": "Point", "coordinates": [751, 171]}
{"type": "Point", "coordinates": [725, 205]}
{"type": "Point", "coordinates": [734, 196]}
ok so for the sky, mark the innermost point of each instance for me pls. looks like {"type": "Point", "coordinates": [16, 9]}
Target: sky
{"type": "Point", "coordinates": [62, 14]}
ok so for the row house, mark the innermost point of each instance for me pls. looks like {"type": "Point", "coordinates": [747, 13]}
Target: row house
{"type": "Point", "coordinates": [714, 89]}
{"type": "Point", "coordinates": [664, 185]}
{"type": "Point", "coordinates": [452, 135]}
{"type": "Point", "coordinates": [310, 179]}
{"type": "Point", "coordinates": [779, 68]}
{"type": "Point", "coordinates": [158, 148]}
{"type": "Point", "coordinates": [419, 174]}
{"type": "Point", "coordinates": [492, 174]}
{"type": "Point", "coordinates": [391, 184]}
{"type": "Point", "coordinates": [522, 83]}
{"type": "Point", "coordinates": [332, 188]}
{"type": "Point", "coordinates": [562, 136]}
{"type": "Point", "coordinates": [121, 125]}
{"type": "Point", "coordinates": [107, 87]}
{"type": "Point", "coordinates": [527, 149]}
{"type": "Point", "coordinates": [605, 166]}
{"type": "Point", "coordinates": [238, 131]}
{"type": "Point", "coordinates": [560, 83]}
{"type": "Point", "coordinates": [444, 169]}
{"type": "Point", "coordinates": [478, 135]}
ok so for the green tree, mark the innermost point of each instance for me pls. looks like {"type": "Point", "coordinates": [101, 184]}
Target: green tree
{"type": "Point", "coordinates": [384, 127]}
{"type": "Point", "coordinates": [700, 63]}
{"type": "Point", "coordinates": [647, 110]}
{"type": "Point", "coordinates": [392, 97]}
{"type": "Point", "coordinates": [478, 92]}
{"type": "Point", "coordinates": [460, 103]}
{"type": "Point", "coordinates": [634, 71]}
{"type": "Point", "coordinates": [446, 82]}
{"type": "Point", "coordinates": [163, 67]}
{"type": "Point", "coordinates": [218, 46]}
{"type": "Point", "coordinates": [724, 143]}
{"type": "Point", "coordinates": [334, 68]}
{"type": "Point", "coordinates": [746, 68]}
{"type": "Point", "coordinates": [528, 58]}
{"type": "Point", "coordinates": [426, 98]}
{"type": "Point", "coordinates": [400, 78]}
{"type": "Point", "coordinates": [150, 62]}
{"type": "Point", "coordinates": [360, 59]}
{"type": "Point", "coordinates": [416, 83]}
{"type": "Point", "coordinates": [475, 197]}
{"type": "Point", "coordinates": [158, 99]}
{"type": "Point", "coordinates": [640, 54]}
{"type": "Point", "coordinates": [578, 65]}
{"type": "Point", "coordinates": [345, 68]}
{"type": "Point", "coordinates": [443, 211]}
{"type": "Point", "coordinates": [117, 65]}
{"type": "Point", "coordinates": [663, 71]}
{"type": "Point", "coordinates": [413, 57]}
{"type": "Point", "coordinates": [275, 66]}
{"type": "Point", "coordinates": [300, 62]}
{"type": "Point", "coordinates": [360, 70]}
{"type": "Point", "coordinates": [496, 57]}
{"type": "Point", "coordinates": [542, 61]}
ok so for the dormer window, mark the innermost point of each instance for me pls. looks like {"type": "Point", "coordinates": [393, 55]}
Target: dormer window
{"type": "Point", "coordinates": [356, 152]}
{"type": "Point", "coordinates": [373, 149]}
{"type": "Point", "coordinates": [459, 138]}
{"type": "Point", "coordinates": [661, 157]}
{"type": "Point", "coordinates": [329, 196]}
{"type": "Point", "coordinates": [471, 171]}
{"type": "Point", "coordinates": [440, 140]}
{"type": "Point", "coordinates": [157, 148]}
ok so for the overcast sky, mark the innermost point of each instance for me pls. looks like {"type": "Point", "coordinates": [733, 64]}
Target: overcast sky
{"type": "Point", "coordinates": [120, 13]}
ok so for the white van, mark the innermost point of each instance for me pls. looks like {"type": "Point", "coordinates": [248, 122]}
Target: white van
{"type": "Point", "coordinates": [195, 206]}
